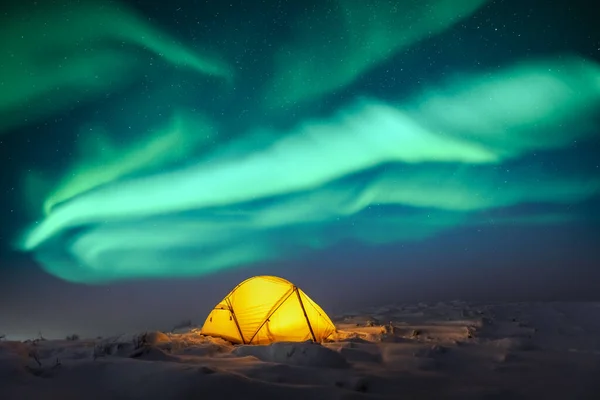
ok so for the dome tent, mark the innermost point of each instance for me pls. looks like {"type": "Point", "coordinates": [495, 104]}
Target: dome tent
{"type": "Point", "coordinates": [267, 309]}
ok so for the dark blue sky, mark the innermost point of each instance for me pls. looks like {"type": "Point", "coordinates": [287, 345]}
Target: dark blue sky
{"type": "Point", "coordinates": [524, 226]}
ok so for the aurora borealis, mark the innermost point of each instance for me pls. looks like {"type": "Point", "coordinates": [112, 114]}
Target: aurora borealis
{"type": "Point", "coordinates": [193, 147]}
{"type": "Point", "coordinates": [56, 55]}
{"type": "Point", "coordinates": [299, 181]}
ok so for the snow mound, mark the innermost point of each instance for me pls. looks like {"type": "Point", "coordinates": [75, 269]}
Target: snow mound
{"type": "Point", "coordinates": [152, 353]}
{"type": "Point", "coordinates": [306, 354]}
{"type": "Point", "coordinates": [512, 344]}
{"type": "Point", "coordinates": [14, 359]}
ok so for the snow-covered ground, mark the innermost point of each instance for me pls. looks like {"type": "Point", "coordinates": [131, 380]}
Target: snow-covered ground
{"type": "Point", "coordinates": [451, 350]}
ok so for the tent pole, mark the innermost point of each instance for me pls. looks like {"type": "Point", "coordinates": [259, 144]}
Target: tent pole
{"type": "Point", "coordinates": [305, 315]}
{"type": "Point", "coordinates": [279, 304]}
{"type": "Point", "coordinates": [236, 321]}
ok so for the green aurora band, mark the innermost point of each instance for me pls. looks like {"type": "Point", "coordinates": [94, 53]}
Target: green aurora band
{"type": "Point", "coordinates": [348, 37]}
{"type": "Point", "coordinates": [438, 160]}
{"type": "Point", "coordinates": [171, 144]}
{"type": "Point", "coordinates": [54, 57]}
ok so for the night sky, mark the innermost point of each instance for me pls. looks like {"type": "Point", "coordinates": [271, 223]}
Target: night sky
{"type": "Point", "coordinates": [154, 154]}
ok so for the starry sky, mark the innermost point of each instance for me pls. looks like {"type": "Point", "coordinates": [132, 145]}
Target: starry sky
{"type": "Point", "coordinates": [155, 154]}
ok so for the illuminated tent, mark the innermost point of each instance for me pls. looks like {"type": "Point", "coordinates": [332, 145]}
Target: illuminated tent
{"type": "Point", "coordinates": [267, 309]}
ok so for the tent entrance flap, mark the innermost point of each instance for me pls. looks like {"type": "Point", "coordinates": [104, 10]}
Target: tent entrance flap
{"type": "Point", "coordinates": [220, 323]}
{"type": "Point", "coordinates": [270, 314]}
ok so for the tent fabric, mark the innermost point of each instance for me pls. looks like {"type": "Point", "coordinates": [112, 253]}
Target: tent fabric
{"type": "Point", "coordinates": [267, 309]}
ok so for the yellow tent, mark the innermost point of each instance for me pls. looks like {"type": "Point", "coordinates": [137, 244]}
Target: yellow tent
{"type": "Point", "coordinates": [267, 309]}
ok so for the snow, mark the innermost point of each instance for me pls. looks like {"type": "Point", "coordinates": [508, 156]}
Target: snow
{"type": "Point", "coordinates": [453, 350]}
